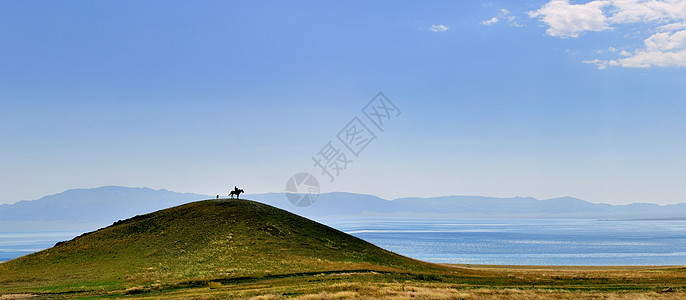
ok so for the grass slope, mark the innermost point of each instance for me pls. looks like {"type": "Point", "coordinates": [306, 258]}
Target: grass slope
{"type": "Point", "coordinates": [199, 241]}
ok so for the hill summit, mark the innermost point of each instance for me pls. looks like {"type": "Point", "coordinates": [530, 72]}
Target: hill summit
{"type": "Point", "coordinates": [205, 240]}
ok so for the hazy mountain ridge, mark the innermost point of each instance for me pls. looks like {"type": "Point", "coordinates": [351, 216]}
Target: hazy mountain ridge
{"type": "Point", "coordinates": [341, 205]}
{"type": "Point", "coordinates": [101, 206]}
{"type": "Point", "coordinates": [77, 208]}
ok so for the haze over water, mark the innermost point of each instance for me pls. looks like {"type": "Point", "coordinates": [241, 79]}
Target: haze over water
{"type": "Point", "coordinates": [529, 242]}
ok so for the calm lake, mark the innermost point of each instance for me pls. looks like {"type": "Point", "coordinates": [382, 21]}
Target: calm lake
{"type": "Point", "coordinates": [15, 244]}
{"type": "Point", "coordinates": [483, 241]}
{"type": "Point", "coordinates": [528, 242]}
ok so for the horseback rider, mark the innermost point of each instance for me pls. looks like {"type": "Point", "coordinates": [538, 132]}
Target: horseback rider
{"type": "Point", "coordinates": [236, 191]}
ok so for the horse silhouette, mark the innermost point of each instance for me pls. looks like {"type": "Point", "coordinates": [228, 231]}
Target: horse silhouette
{"type": "Point", "coordinates": [236, 192]}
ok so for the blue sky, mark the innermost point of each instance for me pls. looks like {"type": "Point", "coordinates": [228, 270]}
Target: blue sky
{"type": "Point", "coordinates": [503, 98]}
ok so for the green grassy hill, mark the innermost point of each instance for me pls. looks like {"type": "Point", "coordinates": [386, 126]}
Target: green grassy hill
{"type": "Point", "coordinates": [212, 240]}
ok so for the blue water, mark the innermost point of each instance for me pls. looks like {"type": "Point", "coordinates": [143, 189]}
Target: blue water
{"type": "Point", "coordinates": [528, 242]}
{"type": "Point", "coordinates": [483, 241]}
{"type": "Point", "coordinates": [15, 244]}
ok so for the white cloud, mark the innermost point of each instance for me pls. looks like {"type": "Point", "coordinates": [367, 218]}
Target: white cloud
{"type": "Point", "coordinates": [569, 20]}
{"type": "Point", "coordinates": [439, 28]}
{"type": "Point", "coordinates": [663, 49]}
{"type": "Point", "coordinates": [665, 41]}
{"type": "Point", "coordinates": [672, 26]}
{"type": "Point", "coordinates": [609, 49]}
{"type": "Point", "coordinates": [503, 15]}
{"type": "Point", "coordinates": [490, 21]}
{"type": "Point", "coordinates": [645, 59]}
{"type": "Point", "coordinates": [665, 19]}
{"type": "Point", "coordinates": [600, 63]}
{"type": "Point", "coordinates": [635, 11]}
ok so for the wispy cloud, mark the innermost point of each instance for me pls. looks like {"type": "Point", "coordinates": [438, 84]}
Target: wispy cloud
{"type": "Point", "coordinates": [439, 28]}
{"type": "Point", "coordinates": [666, 20]}
{"type": "Point", "coordinates": [503, 15]}
{"type": "Point", "coordinates": [490, 21]}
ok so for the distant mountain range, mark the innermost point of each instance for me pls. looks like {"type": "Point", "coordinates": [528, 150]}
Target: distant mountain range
{"type": "Point", "coordinates": [80, 209]}
{"type": "Point", "coordinates": [343, 205]}
{"type": "Point", "coordinates": [87, 209]}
